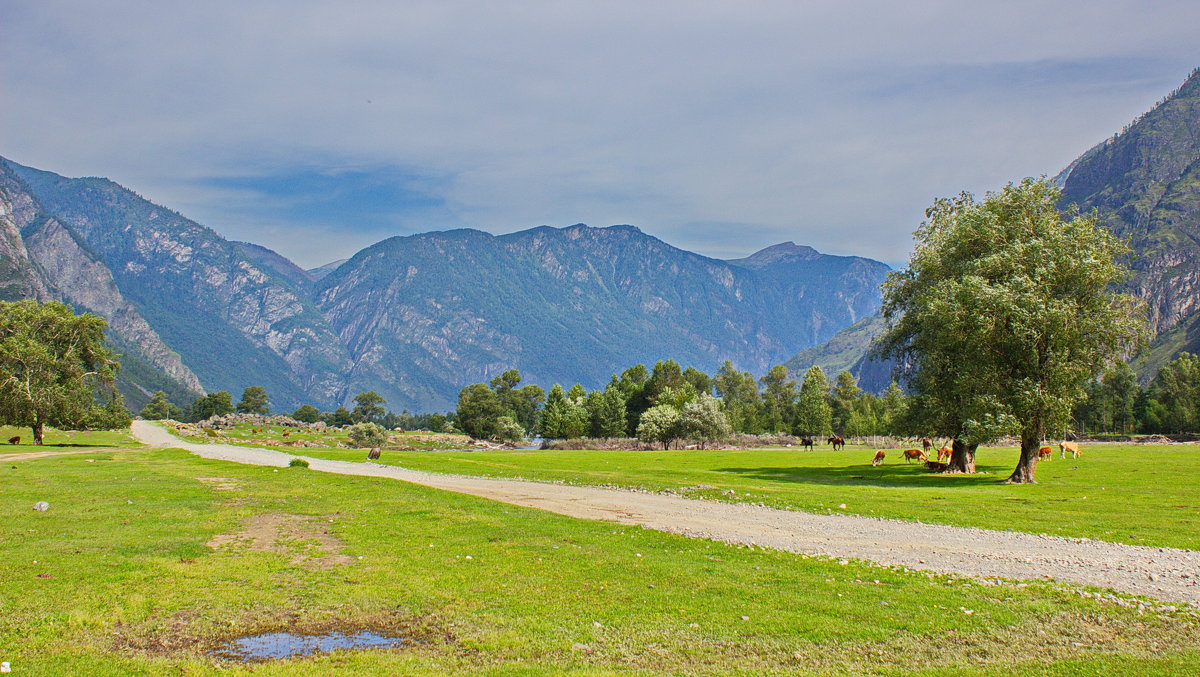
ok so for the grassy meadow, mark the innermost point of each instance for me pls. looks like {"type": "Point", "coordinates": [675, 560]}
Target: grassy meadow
{"type": "Point", "coordinates": [147, 560]}
{"type": "Point", "coordinates": [1136, 494]}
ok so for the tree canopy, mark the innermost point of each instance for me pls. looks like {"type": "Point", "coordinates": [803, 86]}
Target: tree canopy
{"type": "Point", "coordinates": [51, 364]}
{"type": "Point", "coordinates": [1005, 311]}
{"type": "Point", "coordinates": [254, 401]}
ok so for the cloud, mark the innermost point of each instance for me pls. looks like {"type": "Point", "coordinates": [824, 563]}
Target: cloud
{"type": "Point", "coordinates": [830, 124]}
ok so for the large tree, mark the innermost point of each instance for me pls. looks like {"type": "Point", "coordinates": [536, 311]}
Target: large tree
{"type": "Point", "coordinates": [51, 362]}
{"type": "Point", "coordinates": [254, 401]}
{"type": "Point", "coordinates": [368, 406]}
{"type": "Point", "coordinates": [814, 416]}
{"type": "Point", "coordinates": [1005, 311]}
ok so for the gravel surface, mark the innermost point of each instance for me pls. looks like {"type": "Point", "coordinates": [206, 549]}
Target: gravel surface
{"type": "Point", "coordinates": [1166, 573]}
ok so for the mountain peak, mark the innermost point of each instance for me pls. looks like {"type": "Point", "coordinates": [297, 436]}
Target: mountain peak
{"type": "Point", "coordinates": [784, 251]}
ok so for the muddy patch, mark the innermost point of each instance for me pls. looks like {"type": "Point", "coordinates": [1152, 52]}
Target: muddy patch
{"type": "Point", "coordinates": [307, 540]}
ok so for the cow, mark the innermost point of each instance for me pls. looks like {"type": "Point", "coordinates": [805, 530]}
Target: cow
{"type": "Point", "coordinates": [936, 466]}
{"type": "Point", "coordinates": [373, 455]}
{"type": "Point", "coordinates": [807, 443]}
{"type": "Point", "coordinates": [837, 442]}
{"type": "Point", "coordinates": [926, 444]}
{"type": "Point", "coordinates": [286, 434]}
{"type": "Point", "coordinates": [879, 455]}
{"type": "Point", "coordinates": [1044, 453]}
{"type": "Point", "coordinates": [910, 454]}
{"type": "Point", "coordinates": [946, 453]}
{"type": "Point", "coordinates": [1066, 446]}
{"type": "Point", "coordinates": [14, 440]}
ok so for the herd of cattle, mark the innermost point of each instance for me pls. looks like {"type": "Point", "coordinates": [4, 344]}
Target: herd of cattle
{"type": "Point", "coordinates": [945, 452]}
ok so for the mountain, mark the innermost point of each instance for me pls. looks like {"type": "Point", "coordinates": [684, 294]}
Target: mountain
{"type": "Point", "coordinates": [1145, 185]}
{"type": "Point", "coordinates": [228, 321]}
{"type": "Point", "coordinates": [319, 272]}
{"type": "Point", "coordinates": [415, 318]}
{"type": "Point", "coordinates": [424, 314]}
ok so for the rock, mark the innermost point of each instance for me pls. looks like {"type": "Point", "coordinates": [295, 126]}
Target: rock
{"type": "Point", "coordinates": [582, 647]}
{"type": "Point", "coordinates": [41, 506]}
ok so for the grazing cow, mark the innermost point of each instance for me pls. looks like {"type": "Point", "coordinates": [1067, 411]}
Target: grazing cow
{"type": "Point", "coordinates": [286, 434]}
{"type": "Point", "coordinates": [926, 444]}
{"type": "Point", "coordinates": [837, 442]}
{"type": "Point", "coordinates": [14, 440]}
{"type": "Point", "coordinates": [807, 443]}
{"type": "Point", "coordinates": [946, 453]}
{"type": "Point", "coordinates": [373, 455]}
{"type": "Point", "coordinates": [1066, 446]}
{"type": "Point", "coordinates": [1044, 453]}
{"type": "Point", "coordinates": [911, 454]}
{"type": "Point", "coordinates": [879, 455]}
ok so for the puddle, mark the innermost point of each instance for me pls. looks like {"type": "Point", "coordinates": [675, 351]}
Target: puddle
{"type": "Point", "coordinates": [275, 645]}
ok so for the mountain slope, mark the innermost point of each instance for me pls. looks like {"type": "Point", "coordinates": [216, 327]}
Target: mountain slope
{"type": "Point", "coordinates": [235, 322]}
{"type": "Point", "coordinates": [1145, 185]}
{"type": "Point", "coordinates": [423, 315]}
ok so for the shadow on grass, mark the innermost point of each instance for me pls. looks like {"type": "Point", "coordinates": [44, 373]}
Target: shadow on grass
{"type": "Point", "coordinates": [900, 475]}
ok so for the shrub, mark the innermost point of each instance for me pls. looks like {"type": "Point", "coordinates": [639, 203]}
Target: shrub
{"type": "Point", "coordinates": [297, 463]}
{"type": "Point", "coordinates": [367, 435]}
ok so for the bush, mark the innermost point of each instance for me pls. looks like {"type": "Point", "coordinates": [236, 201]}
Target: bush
{"type": "Point", "coordinates": [297, 463]}
{"type": "Point", "coordinates": [508, 430]}
{"type": "Point", "coordinates": [367, 435]}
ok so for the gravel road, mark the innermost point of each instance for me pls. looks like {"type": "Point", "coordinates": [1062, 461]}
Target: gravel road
{"type": "Point", "coordinates": [1165, 573]}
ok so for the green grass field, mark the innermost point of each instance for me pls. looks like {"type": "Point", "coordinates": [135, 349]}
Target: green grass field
{"type": "Point", "coordinates": [117, 578]}
{"type": "Point", "coordinates": [59, 439]}
{"type": "Point", "coordinates": [249, 435]}
{"type": "Point", "coordinates": [1141, 495]}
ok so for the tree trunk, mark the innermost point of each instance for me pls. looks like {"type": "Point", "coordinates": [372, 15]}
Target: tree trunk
{"type": "Point", "coordinates": [38, 429]}
{"type": "Point", "coordinates": [1027, 465]}
{"type": "Point", "coordinates": [963, 458]}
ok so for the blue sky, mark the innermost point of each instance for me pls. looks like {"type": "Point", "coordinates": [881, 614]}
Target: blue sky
{"type": "Point", "coordinates": [318, 128]}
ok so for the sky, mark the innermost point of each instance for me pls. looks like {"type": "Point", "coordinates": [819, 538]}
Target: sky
{"type": "Point", "coordinates": [318, 128]}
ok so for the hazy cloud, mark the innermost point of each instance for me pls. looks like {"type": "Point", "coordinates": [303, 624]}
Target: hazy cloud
{"type": "Point", "coordinates": [318, 128]}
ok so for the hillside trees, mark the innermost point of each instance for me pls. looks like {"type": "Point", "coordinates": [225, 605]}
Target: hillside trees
{"type": "Point", "coordinates": [159, 408]}
{"type": "Point", "coordinates": [254, 401]}
{"type": "Point", "coordinates": [219, 403]}
{"type": "Point", "coordinates": [1003, 314]}
{"type": "Point", "coordinates": [52, 362]}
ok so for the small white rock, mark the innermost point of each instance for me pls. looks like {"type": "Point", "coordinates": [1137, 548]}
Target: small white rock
{"type": "Point", "coordinates": [41, 506]}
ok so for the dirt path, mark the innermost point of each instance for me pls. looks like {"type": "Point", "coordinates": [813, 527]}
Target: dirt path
{"type": "Point", "coordinates": [1166, 573]}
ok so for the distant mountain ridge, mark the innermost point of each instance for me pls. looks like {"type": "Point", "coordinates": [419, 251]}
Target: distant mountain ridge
{"type": "Point", "coordinates": [415, 317]}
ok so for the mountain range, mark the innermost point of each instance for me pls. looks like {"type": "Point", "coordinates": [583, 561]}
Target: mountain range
{"type": "Point", "coordinates": [414, 318]}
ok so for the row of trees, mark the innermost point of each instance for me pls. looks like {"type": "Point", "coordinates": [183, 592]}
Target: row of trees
{"type": "Point", "coordinates": [1170, 404]}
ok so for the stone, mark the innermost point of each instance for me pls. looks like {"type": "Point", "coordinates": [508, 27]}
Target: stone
{"type": "Point", "coordinates": [41, 506]}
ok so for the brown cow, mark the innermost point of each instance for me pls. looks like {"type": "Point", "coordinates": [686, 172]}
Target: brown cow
{"type": "Point", "coordinates": [879, 455]}
{"type": "Point", "coordinates": [1044, 453]}
{"type": "Point", "coordinates": [373, 455]}
{"type": "Point", "coordinates": [14, 440]}
{"type": "Point", "coordinates": [946, 453]}
{"type": "Point", "coordinates": [1066, 446]}
{"type": "Point", "coordinates": [911, 454]}
{"type": "Point", "coordinates": [926, 444]}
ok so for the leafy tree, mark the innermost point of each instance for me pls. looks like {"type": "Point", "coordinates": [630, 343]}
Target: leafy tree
{"type": "Point", "coordinates": [478, 409]}
{"type": "Point", "coordinates": [778, 399]}
{"type": "Point", "coordinates": [634, 386]}
{"type": "Point", "coordinates": [676, 397]}
{"type": "Point", "coordinates": [698, 380]}
{"type": "Point", "coordinates": [437, 423]}
{"type": "Point", "coordinates": [51, 363]}
{"type": "Point", "coordinates": [254, 401]}
{"type": "Point", "coordinates": [368, 406]}
{"type": "Point", "coordinates": [846, 397]}
{"type": "Point", "coordinates": [666, 374]}
{"type": "Point", "coordinates": [219, 403]}
{"type": "Point", "coordinates": [367, 435]}
{"type": "Point", "coordinates": [813, 413]}
{"type": "Point", "coordinates": [307, 413]}
{"type": "Point", "coordinates": [508, 430]}
{"type": "Point", "coordinates": [1005, 311]}
{"type": "Point", "coordinates": [702, 420]}
{"type": "Point", "coordinates": [159, 408]}
{"type": "Point", "coordinates": [608, 419]}
{"type": "Point", "coordinates": [341, 417]}
{"type": "Point", "coordinates": [739, 395]}
{"type": "Point", "coordinates": [659, 425]}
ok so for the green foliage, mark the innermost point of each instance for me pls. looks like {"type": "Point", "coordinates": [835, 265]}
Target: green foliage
{"type": "Point", "coordinates": [212, 404]}
{"type": "Point", "coordinates": [307, 413]}
{"type": "Point", "coordinates": [368, 406]}
{"type": "Point", "coordinates": [438, 423]}
{"type": "Point", "coordinates": [1004, 313]}
{"type": "Point", "coordinates": [254, 401]}
{"type": "Point", "coordinates": [297, 463]}
{"type": "Point", "coordinates": [702, 420]}
{"type": "Point", "coordinates": [659, 425]}
{"type": "Point", "coordinates": [367, 435]}
{"type": "Point", "coordinates": [341, 417]}
{"type": "Point", "coordinates": [51, 364]}
{"type": "Point", "coordinates": [778, 400]}
{"type": "Point", "coordinates": [159, 409]}
{"type": "Point", "coordinates": [813, 416]}
{"type": "Point", "coordinates": [478, 408]}
{"type": "Point", "coordinates": [508, 430]}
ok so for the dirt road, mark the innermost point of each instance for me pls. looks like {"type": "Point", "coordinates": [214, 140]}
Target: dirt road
{"type": "Point", "coordinates": [1165, 573]}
